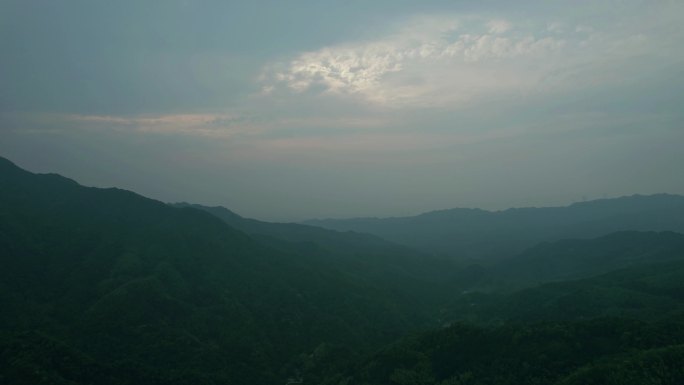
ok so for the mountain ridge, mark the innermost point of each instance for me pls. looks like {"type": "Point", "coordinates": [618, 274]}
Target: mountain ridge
{"type": "Point", "coordinates": [437, 212]}
{"type": "Point", "coordinates": [480, 234]}
{"type": "Point", "coordinates": [143, 292]}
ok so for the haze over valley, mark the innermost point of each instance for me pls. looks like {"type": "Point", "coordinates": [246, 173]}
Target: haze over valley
{"type": "Point", "coordinates": [205, 192]}
{"type": "Point", "coordinates": [300, 110]}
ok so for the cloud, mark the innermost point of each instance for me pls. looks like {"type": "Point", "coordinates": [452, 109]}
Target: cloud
{"type": "Point", "coordinates": [441, 61]}
{"type": "Point", "coordinates": [237, 127]}
{"type": "Point", "coordinates": [498, 26]}
{"type": "Point", "coordinates": [211, 125]}
{"type": "Point", "coordinates": [432, 61]}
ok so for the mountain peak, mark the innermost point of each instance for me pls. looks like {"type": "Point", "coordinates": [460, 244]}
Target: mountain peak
{"type": "Point", "coordinates": [7, 164]}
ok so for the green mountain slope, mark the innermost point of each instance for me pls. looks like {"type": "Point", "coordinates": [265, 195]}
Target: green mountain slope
{"type": "Point", "coordinates": [427, 279]}
{"type": "Point", "coordinates": [580, 258]}
{"type": "Point", "coordinates": [631, 274]}
{"type": "Point", "coordinates": [135, 291]}
{"type": "Point", "coordinates": [621, 327]}
{"type": "Point", "coordinates": [105, 286]}
{"type": "Point", "coordinates": [601, 351]}
{"type": "Point", "coordinates": [305, 235]}
{"type": "Point", "coordinates": [649, 292]}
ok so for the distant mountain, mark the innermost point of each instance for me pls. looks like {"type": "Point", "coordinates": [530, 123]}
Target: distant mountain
{"type": "Point", "coordinates": [573, 259]}
{"type": "Point", "coordinates": [106, 286]}
{"type": "Point", "coordinates": [304, 234]}
{"type": "Point", "coordinates": [480, 234]}
{"type": "Point", "coordinates": [627, 274]}
{"type": "Point", "coordinates": [646, 292]}
{"type": "Point", "coordinates": [622, 327]}
{"type": "Point", "coordinates": [362, 255]}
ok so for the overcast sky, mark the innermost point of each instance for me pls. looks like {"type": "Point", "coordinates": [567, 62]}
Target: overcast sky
{"type": "Point", "coordinates": [286, 110]}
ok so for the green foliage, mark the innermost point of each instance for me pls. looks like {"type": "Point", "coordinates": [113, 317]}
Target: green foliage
{"type": "Point", "coordinates": [105, 286]}
{"type": "Point", "coordinates": [175, 295]}
{"type": "Point", "coordinates": [555, 332]}
{"type": "Point", "coordinates": [645, 291]}
{"type": "Point", "coordinates": [601, 351]}
{"type": "Point", "coordinates": [574, 259]}
{"type": "Point", "coordinates": [661, 366]}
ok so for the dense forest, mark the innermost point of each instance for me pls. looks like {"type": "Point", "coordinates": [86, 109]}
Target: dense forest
{"type": "Point", "coordinates": [104, 286]}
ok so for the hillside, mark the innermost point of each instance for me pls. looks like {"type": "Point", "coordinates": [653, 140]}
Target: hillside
{"type": "Point", "coordinates": [304, 234]}
{"type": "Point", "coordinates": [608, 351]}
{"type": "Point", "coordinates": [634, 274]}
{"type": "Point", "coordinates": [571, 259]}
{"type": "Point", "coordinates": [480, 234]}
{"type": "Point", "coordinates": [363, 255]}
{"type": "Point", "coordinates": [622, 327]}
{"type": "Point", "coordinates": [104, 282]}
{"type": "Point", "coordinates": [106, 286]}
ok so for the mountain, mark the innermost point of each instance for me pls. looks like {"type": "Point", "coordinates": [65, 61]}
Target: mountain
{"type": "Point", "coordinates": [480, 234]}
{"type": "Point", "coordinates": [625, 326]}
{"type": "Point", "coordinates": [365, 256]}
{"type": "Point", "coordinates": [107, 286]}
{"type": "Point", "coordinates": [646, 292]}
{"type": "Point", "coordinates": [606, 351]}
{"type": "Point", "coordinates": [303, 234]}
{"type": "Point", "coordinates": [635, 274]}
{"type": "Point", "coordinates": [571, 259]}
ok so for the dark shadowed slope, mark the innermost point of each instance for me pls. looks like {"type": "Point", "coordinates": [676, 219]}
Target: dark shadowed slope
{"type": "Point", "coordinates": [106, 286]}
{"type": "Point", "coordinates": [580, 258]}
{"type": "Point", "coordinates": [362, 255]}
{"type": "Point", "coordinates": [649, 292]}
{"type": "Point", "coordinates": [623, 274]}
{"type": "Point", "coordinates": [474, 233]}
{"type": "Point", "coordinates": [298, 233]}
{"type": "Point", "coordinates": [607, 351]}
{"type": "Point", "coordinates": [623, 327]}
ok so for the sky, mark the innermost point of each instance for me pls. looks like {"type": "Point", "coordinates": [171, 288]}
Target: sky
{"type": "Point", "coordinates": [289, 110]}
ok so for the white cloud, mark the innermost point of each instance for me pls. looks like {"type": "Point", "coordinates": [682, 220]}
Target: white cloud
{"type": "Point", "coordinates": [498, 26]}
{"type": "Point", "coordinates": [432, 61]}
{"type": "Point", "coordinates": [454, 61]}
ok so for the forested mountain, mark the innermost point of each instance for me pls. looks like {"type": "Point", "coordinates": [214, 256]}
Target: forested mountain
{"type": "Point", "coordinates": [605, 351]}
{"type": "Point", "coordinates": [581, 258]}
{"type": "Point", "coordinates": [647, 291]}
{"type": "Point", "coordinates": [622, 327]}
{"type": "Point", "coordinates": [365, 256]}
{"type": "Point", "coordinates": [106, 284]}
{"type": "Point", "coordinates": [480, 234]}
{"type": "Point", "coordinates": [305, 235]}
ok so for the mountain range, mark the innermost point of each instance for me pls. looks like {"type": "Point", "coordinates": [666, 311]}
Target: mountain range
{"type": "Point", "coordinates": [106, 286]}
{"type": "Point", "coordinates": [164, 295]}
{"type": "Point", "coordinates": [483, 235]}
